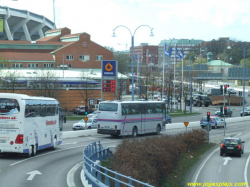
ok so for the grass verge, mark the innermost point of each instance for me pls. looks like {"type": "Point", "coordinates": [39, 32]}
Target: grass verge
{"type": "Point", "coordinates": [178, 176]}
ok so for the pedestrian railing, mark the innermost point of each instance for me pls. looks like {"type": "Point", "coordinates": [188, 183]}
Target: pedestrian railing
{"type": "Point", "coordinates": [99, 176]}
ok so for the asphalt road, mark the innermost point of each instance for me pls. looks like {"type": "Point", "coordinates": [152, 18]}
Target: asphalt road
{"type": "Point", "coordinates": [62, 166]}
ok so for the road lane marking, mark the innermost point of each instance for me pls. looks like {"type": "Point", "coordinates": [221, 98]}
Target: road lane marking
{"type": "Point", "coordinates": [226, 160]}
{"type": "Point", "coordinates": [32, 174]}
{"type": "Point", "coordinates": [197, 175]}
{"type": "Point", "coordinates": [70, 175]}
{"type": "Point", "coordinates": [245, 170]}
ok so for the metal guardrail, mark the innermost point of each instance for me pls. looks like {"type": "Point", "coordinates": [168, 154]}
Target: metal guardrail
{"type": "Point", "coordinates": [99, 176]}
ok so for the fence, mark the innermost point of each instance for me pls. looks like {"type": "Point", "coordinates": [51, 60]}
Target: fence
{"type": "Point", "coordinates": [99, 176]}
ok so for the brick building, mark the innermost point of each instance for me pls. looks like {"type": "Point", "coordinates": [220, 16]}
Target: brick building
{"type": "Point", "coordinates": [59, 48]}
{"type": "Point", "coordinates": [65, 54]}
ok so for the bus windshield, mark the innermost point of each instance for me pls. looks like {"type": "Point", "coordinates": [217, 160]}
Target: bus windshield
{"type": "Point", "coordinates": [9, 106]}
{"type": "Point", "coordinates": [108, 106]}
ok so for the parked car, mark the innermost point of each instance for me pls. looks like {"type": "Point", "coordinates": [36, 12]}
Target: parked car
{"type": "Point", "coordinates": [82, 125]}
{"type": "Point", "coordinates": [229, 112]}
{"type": "Point", "coordinates": [232, 145]}
{"type": "Point", "coordinates": [231, 91]}
{"type": "Point", "coordinates": [94, 114]}
{"type": "Point", "coordinates": [77, 109]}
{"type": "Point", "coordinates": [168, 119]}
{"type": "Point", "coordinates": [246, 111]}
{"type": "Point", "coordinates": [214, 120]}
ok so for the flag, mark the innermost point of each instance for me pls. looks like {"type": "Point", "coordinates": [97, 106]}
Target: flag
{"type": "Point", "coordinates": [168, 50]}
{"type": "Point", "coordinates": [177, 54]}
{"type": "Point", "coordinates": [182, 53]}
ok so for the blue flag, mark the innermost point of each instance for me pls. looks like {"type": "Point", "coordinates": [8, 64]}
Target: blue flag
{"type": "Point", "coordinates": [168, 50]}
{"type": "Point", "coordinates": [177, 54]}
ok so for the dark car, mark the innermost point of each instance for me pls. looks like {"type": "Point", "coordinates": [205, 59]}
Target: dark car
{"type": "Point", "coordinates": [232, 145]}
{"type": "Point", "coordinates": [168, 119]}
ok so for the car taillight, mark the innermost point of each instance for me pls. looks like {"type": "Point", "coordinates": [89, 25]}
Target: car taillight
{"type": "Point", "coordinates": [222, 145]}
{"type": "Point", "coordinates": [239, 146]}
{"type": "Point", "coordinates": [19, 139]}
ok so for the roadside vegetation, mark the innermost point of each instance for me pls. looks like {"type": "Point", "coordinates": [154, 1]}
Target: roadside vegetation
{"type": "Point", "coordinates": [160, 161]}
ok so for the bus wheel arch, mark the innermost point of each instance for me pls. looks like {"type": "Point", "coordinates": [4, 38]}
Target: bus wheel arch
{"type": "Point", "coordinates": [134, 131]}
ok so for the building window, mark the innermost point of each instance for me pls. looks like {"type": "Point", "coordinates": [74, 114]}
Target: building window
{"type": "Point", "coordinates": [98, 57]}
{"type": "Point", "coordinates": [3, 65]}
{"type": "Point", "coordinates": [33, 66]}
{"type": "Point", "coordinates": [17, 65]}
{"type": "Point", "coordinates": [48, 65]}
{"type": "Point", "coordinates": [84, 57]}
{"type": "Point", "coordinates": [70, 57]}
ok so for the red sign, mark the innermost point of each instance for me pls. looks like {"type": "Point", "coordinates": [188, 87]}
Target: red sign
{"type": "Point", "coordinates": [108, 85]}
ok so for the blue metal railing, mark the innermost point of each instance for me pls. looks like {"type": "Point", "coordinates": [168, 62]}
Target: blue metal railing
{"type": "Point", "coordinates": [99, 176]}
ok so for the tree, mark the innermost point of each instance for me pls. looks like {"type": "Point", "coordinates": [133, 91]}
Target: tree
{"type": "Point", "coordinates": [10, 81]}
{"type": "Point", "coordinates": [45, 83]}
{"type": "Point", "coordinates": [247, 63]}
{"type": "Point", "coordinates": [85, 89]}
{"type": "Point", "coordinates": [123, 60]}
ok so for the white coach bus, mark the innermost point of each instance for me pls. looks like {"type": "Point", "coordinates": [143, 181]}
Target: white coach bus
{"type": "Point", "coordinates": [29, 124]}
{"type": "Point", "coordinates": [119, 118]}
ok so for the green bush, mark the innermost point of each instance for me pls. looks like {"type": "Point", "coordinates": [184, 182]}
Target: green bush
{"type": "Point", "coordinates": [152, 159]}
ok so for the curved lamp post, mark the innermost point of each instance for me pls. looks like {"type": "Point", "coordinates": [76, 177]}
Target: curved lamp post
{"type": "Point", "coordinates": [244, 74]}
{"type": "Point", "coordinates": [191, 87]}
{"type": "Point", "coordinates": [132, 42]}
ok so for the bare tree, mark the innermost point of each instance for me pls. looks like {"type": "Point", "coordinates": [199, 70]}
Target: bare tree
{"type": "Point", "coordinates": [11, 80]}
{"type": "Point", "coordinates": [85, 89]}
{"type": "Point", "coordinates": [45, 83]}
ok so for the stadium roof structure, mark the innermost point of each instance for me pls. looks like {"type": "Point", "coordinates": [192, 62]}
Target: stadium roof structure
{"type": "Point", "coordinates": [23, 25]}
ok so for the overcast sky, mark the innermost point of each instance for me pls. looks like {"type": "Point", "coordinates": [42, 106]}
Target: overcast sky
{"type": "Point", "coordinates": [180, 19]}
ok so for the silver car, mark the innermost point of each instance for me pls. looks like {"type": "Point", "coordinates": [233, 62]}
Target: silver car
{"type": "Point", "coordinates": [93, 115]}
{"type": "Point", "coordinates": [82, 125]}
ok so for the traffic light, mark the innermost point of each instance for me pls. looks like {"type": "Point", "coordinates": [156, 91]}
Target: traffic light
{"type": "Point", "coordinates": [221, 110]}
{"type": "Point", "coordinates": [225, 110]}
{"type": "Point", "coordinates": [86, 110]}
{"type": "Point", "coordinates": [208, 116]}
{"type": "Point", "coordinates": [225, 89]}
{"type": "Point", "coordinates": [221, 89]}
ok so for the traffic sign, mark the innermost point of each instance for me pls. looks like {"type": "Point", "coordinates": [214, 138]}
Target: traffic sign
{"type": "Point", "coordinates": [85, 119]}
{"type": "Point", "coordinates": [186, 123]}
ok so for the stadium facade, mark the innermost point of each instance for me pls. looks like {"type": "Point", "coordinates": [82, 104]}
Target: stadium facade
{"type": "Point", "coordinates": [18, 24]}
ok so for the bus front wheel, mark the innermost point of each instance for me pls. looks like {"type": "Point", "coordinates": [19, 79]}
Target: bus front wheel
{"type": "Point", "coordinates": [134, 132]}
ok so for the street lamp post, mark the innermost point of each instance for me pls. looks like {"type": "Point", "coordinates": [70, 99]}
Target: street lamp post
{"type": "Point", "coordinates": [191, 87]}
{"type": "Point", "coordinates": [132, 43]}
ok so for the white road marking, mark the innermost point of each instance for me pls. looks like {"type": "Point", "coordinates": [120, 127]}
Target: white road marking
{"type": "Point", "coordinates": [197, 175]}
{"type": "Point", "coordinates": [226, 160]}
{"type": "Point", "coordinates": [70, 175]}
{"type": "Point", "coordinates": [69, 143]}
{"type": "Point", "coordinates": [245, 171]}
{"type": "Point", "coordinates": [32, 174]}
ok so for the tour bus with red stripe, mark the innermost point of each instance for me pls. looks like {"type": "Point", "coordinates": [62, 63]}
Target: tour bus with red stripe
{"type": "Point", "coordinates": [119, 118]}
{"type": "Point", "coordinates": [29, 124]}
